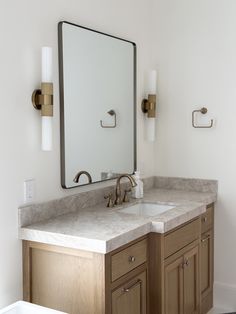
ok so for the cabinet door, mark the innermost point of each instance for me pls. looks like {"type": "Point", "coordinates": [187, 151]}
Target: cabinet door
{"type": "Point", "coordinates": [191, 282]}
{"type": "Point", "coordinates": [131, 297]}
{"type": "Point", "coordinates": [206, 263]}
{"type": "Point", "coordinates": [174, 286]}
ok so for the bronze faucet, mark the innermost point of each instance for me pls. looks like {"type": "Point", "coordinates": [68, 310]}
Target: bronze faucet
{"type": "Point", "coordinates": [118, 199]}
{"type": "Point", "coordinates": [76, 178]}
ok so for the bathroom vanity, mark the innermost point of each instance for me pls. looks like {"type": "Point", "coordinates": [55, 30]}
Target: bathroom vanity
{"type": "Point", "coordinates": [149, 256]}
{"type": "Point", "coordinates": [103, 261]}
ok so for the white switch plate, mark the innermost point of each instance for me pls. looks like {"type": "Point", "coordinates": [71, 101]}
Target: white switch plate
{"type": "Point", "coordinates": [29, 191]}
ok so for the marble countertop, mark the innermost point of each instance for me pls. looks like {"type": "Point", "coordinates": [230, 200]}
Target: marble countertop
{"type": "Point", "coordinates": [101, 229]}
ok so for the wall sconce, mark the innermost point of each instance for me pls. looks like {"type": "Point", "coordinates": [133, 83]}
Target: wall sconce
{"type": "Point", "coordinates": [149, 105]}
{"type": "Point", "coordinates": [42, 99]}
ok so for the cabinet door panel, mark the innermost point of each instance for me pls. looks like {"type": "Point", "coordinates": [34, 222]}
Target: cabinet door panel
{"type": "Point", "coordinates": [130, 298]}
{"type": "Point", "coordinates": [174, 287]}
{"type": "Point", "coordinates": [207, 219]}
{"type": "Point", "coordinates": [191, 282]}
{"type": "Point", "coordinates": [206, 263]}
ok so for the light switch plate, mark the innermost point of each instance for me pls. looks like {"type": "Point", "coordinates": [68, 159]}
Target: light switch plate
{"type": "Point", "coordinates": [29, 191]}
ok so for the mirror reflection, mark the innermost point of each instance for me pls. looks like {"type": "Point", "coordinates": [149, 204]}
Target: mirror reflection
{"type": "Point", "coordinates": [97, 99]}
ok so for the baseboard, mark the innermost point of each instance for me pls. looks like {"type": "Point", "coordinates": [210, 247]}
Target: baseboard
{"type": "Point", "coordinates": [225, 296]}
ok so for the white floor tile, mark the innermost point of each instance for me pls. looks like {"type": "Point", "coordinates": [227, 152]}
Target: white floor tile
{"type": "Point", "coordinates": [218, 311]}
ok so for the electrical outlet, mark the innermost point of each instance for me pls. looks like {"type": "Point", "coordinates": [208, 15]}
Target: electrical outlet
{"type": "Point", "coordinates": [29, 191]}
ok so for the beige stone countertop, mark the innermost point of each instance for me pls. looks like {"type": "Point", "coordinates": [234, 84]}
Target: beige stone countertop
{"type": "Point", "coordinates": [101, 229]}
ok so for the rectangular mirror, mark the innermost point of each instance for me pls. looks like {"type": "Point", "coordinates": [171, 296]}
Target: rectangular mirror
{"type": "Point", "coordinates": [97, 75]}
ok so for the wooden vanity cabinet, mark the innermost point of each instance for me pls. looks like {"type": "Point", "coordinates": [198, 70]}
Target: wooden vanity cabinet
{"type": "Point", "coordinates": [177, 277]}
{"type": "Point", "coordinates": [128, 279]}
{"type": "Point", "coordinates": [130, 298]}
{"type": "Point", "coordinates": [170, 273]}
{"type": "Point", "coordinates": [181, 282]}
{"type": "Point", "coordinates": [181, 264]}
{"type": "Point", "coordinates": [207, 257]}
{"type": "Point", "coordinates": [81, 282]}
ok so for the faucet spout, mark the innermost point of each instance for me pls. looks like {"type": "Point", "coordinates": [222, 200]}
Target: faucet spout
{"type": "Point", "coordinates": [77, 177]}
{"type": "Point", "coordinates": [118, 199]}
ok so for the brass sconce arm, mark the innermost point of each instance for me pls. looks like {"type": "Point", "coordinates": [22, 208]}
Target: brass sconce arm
{"type": "Point", "coordinates": [149, 106]}
{"type": "Point", "coordinates": [42, 99]}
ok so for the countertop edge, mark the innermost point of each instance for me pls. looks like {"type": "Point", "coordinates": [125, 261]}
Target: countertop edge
{"type": "Point", "coordinates": [108, 244]}
{"type": "Point", "coordinates": [58, 239]}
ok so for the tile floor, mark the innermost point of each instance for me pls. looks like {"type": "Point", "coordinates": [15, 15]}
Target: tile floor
{"type": "Point", "coordinates": [219, 311]}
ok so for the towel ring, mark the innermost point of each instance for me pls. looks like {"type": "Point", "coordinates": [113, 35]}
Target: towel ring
{"type": "Point", "coordinates": [203, 110]}
{"type": "Point", "coordinates": [111, 113]}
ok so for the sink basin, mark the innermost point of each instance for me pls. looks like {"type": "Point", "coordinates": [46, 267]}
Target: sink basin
{"type": "Point", "coordinates": [22, 307]}
{"type": "Point", "coordinates": [147, 209]}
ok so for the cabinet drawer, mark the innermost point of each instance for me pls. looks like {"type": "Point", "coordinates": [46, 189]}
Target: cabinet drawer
{"type": "Point", "coordinates": [181, 237]}
{"type": "Point", "coordinates": [207, 219]}
{"type": "Point", "coordinates": [131, 297]}
{"type": "Point", "coordinates": [128, 259]}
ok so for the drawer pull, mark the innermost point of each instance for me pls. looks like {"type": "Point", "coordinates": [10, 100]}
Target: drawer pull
{"type": "Point", "coordinates": [131, 259]}
{"type": "Point", "coordinates": [204, 219]}
{"type": "Point", "coordinates": [138, 282]}
{"type": "Point", "coordinates": [206, 238]}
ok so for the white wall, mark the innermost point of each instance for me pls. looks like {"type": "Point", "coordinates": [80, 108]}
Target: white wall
{"type": "Point", "coordinates": [25, 26]}
{"type": "Point", "coordinates": [194, 50]}
{"type": "Point", "coordinates": [194, 44]}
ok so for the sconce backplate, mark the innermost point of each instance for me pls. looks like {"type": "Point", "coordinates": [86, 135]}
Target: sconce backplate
{"type": "Point", "coordinates": [144, 106]}
{"type": "Point", "coordinates": [35, 99]}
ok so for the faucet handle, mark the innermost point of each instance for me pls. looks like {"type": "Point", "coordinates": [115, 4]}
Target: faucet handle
{"type": "Point", "coordinates": [110, 202]}
{"type": "Point", "coordinates": [126, 195]}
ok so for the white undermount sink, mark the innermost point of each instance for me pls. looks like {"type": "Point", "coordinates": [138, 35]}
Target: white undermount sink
{"type": "Point", "coordinates": [22, 307]}
{"type": "Point", "coordinates": [147, 209]}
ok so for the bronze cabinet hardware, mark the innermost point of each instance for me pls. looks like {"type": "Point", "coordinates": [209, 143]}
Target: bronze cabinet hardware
{"type": "Point", "coordinates": [110, 202]}
{"type": "Point", "coordinates": [203, 110]}
{"type": "Point", "coordinates": [77, 177]}
{"type": "Point", "coordinates": [206, 238]}
{"type": "Point", "coordinates": [138, 282]}
{"type": "Point", "coordinates": [131, 259]}
{"type": "Point", "coordinates": [185, 263]}
{"type": "Point", "coordinates": [111, 113]}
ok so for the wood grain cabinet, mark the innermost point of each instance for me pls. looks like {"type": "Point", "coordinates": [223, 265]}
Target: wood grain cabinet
{"type": "Point", "coordinates": [130, 298]}
{"type": "Point", "coordinates": [170, 273]}
{"type": "Point", "coordinates": [176, 270]}
{"type": "Point", "coordinates": [173, 294]}
{"type": "Point", "coordinates": [207, 263]}
{"type": "Point", "coordinates": [181, 264]}
{"type": "Point", "coordinates": [181, 278]}
{"type": "Point", "coordinates": [80, 282]}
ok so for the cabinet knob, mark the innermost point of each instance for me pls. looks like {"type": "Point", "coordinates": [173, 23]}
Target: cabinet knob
{"type": "Point", "coordinates": [185, 263]}
{"type": "Point", "coordinates": [131, 259]}
{"type": "Point", "coordinates": [204, 219]}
